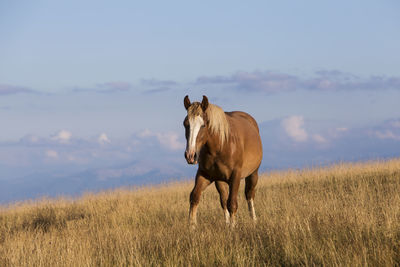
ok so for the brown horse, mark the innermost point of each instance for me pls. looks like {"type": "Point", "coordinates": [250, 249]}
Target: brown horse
{"type": "Point", "coordinates": [227, 147]}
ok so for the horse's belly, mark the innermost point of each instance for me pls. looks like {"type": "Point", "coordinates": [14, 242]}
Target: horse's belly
{"type": "Point", "coordinates": [252, 157]}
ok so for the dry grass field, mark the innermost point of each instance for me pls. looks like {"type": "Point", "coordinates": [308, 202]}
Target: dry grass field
{"type": "Point", "coordinates": [346, 215]}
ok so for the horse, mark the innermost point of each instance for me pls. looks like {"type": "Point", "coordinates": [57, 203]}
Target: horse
{"type": "Point", "coordinates": [227, 148]}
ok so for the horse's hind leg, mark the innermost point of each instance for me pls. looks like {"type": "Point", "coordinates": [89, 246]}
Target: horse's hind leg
{"type": "Point", "coordinates": [223, 190]}
{"type": "Point", "coordinates": [251, 182]}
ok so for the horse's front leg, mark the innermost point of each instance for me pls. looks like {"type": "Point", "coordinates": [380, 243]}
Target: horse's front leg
{"type": "Point", "coordinates": [223, 190]}
{"type": "Point", "coordinates": [234, 184]}
{"type": "Point", "coordinates": [201, 183]}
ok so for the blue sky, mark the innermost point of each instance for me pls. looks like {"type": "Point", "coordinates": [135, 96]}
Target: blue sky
{"type": "Point", "coordinates": [94, 89]}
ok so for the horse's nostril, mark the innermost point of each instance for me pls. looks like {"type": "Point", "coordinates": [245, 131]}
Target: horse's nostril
{"type": "Point", "coordinates": [190, 157]}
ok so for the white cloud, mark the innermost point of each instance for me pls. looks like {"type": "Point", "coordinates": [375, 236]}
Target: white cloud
{"type": "Point", "coordinates": [293, 127]}
{"type": "Point", "coordinates": [169, 140]}
{"type": "Point", "coordinates": [319, 139]}
{"type": "Point", "coordinates": [270, 82]}
{"type": "Point", "coordinates": [30, 139]}
{"type": "Point", "coordinates": [62, 136]}
{"type": "Point", "coordinates": [146, 133]}
{"type": "Point", "coordinates": [342, 129]}
{"type": "Point", "coordinates": [51, 154]}
{"type": "Point", "coordinates": [103, 139]}
{"type": "Point", "coordinates": [387, 134]}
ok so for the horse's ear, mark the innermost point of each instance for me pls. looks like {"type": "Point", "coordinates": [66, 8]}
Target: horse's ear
{"type": "Point", "coordinates": [204, 103]}
{"type": "Point", "coordinates": [186, 102]}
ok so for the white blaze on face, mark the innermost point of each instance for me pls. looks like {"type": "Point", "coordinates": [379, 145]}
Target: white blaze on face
{"type": "Point", "coordinates": [195, 125]}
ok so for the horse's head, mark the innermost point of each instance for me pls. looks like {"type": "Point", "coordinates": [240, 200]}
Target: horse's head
{"type": "Point", "coordinates": [195, 128]}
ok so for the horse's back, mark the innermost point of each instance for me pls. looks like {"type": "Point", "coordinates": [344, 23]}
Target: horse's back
{"type": "Point", "coordinates": [243, 115]}
{"type": "Point", "coordinates": [247, 131]}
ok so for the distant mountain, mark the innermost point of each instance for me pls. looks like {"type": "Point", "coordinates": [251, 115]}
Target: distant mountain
{"type": "Point", "coordinates": [287, 143]}
{"type": "Point", "coordinates": [137, 173]}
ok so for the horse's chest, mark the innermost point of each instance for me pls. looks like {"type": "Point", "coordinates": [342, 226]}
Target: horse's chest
{"type": "Point", "coordinates": [217, 170]}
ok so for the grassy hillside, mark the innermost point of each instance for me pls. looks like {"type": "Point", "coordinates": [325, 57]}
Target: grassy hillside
{"type": "Point", "coordinates": [347, 214]}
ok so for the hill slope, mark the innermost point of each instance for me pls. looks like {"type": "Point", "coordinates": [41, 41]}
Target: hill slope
{"type": "Point", "coordinates": [347, 214]}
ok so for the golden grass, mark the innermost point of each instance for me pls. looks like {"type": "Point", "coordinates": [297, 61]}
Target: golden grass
{"type": "Point", "coordinates": [347, 214]}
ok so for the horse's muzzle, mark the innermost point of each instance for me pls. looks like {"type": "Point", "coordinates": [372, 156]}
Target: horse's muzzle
{"type": "Point", "coordinates": [191, 157]}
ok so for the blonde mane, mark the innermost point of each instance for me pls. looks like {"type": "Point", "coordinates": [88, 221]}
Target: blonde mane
{"type": "Point", "coordinates": [218, 124]}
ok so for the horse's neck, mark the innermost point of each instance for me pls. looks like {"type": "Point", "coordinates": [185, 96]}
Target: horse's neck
{"type": "Point", "coordinates": [214, 143]}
